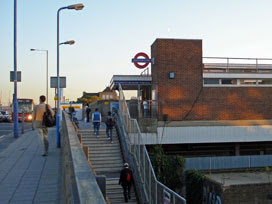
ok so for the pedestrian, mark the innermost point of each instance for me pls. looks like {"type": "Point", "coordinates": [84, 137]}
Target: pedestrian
{"type": "Point", "coordinates": [126, 181]}
{"type": "Point", "coordinates": [87, 111]}
{"type": "Point", "coordinates": [146, 109]}
{"type": "Point", "coordinates": [96, 118]}
{"type": "Point", "coordinates": [42, 131]}
{"type": "Point", "coordinates": [110, 122]}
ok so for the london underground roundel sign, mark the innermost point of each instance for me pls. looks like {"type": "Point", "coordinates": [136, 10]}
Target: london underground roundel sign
{"type": "Point", "coordinates": [144, 59]}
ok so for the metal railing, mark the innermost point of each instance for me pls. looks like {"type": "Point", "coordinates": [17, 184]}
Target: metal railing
{"type": "Point", "coordinates": [226, 64]}
{"type": "Point", "coordinates": [155, 192]}
{"type": "Point", "coordinates": [228, 162]}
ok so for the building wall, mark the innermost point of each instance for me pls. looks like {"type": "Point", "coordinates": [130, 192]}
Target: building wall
{"type": "Point", "coordinates": [247, 194]}
{"type": "Point", "coordinates": [185, 98]}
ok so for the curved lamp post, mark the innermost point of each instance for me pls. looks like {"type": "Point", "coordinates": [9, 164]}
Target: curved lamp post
{"type": "Point", "coordinates": [75, 7]}
{"type": "Point", "coordinates": [40, 50]}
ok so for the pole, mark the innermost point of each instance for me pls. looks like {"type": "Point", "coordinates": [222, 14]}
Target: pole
{"type": "Point", "coordinates": [15, 102]}
{"type": "Point", "coordinates": [58, 85]}
{"type": "Point", "coordinates": [47, 76]}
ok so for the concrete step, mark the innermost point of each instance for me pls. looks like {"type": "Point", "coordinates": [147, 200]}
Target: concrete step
{"type": "Point", "coordinates": [117, 162]}
{"type": "Point", "coordinates": [107, 170]}
{"type": "Point", "coordinates": [105, 148]}
{"type": "Point", "coordinates": [111, 150]}
{"type": "Point", "coordinates": [109, 166]}
{"type": "Point", "coordinates": [106, 154]}
{"type": "Point", "coordinates": [100, 144]}
{"type": "Point", "coordinates": [97, 158]}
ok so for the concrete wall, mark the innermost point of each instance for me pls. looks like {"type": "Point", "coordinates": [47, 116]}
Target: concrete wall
{"type": "Point", "coordinates": [185, 98]}
{"type": "Point", "coordinates": [78, 181]}
{"type": "Point", "coordinates": [247, 194]}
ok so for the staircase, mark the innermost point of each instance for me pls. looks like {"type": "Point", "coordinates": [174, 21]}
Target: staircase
{"type": "Point", "coordinates": [106, 159]}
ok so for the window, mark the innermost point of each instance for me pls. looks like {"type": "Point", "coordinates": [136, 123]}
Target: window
{"type": "Point", "coordinates": [103, 96]}
{"type": "Point", "coordinates": [264, 81]}
{"type": "Point", "coordinates": [211, 81]}
{"type": "Point", "coordinates": [229, 81]}
{"type": "Point", "coordinates": [248, 81]}
{"type": "Point", "coordinates": [111, 96]}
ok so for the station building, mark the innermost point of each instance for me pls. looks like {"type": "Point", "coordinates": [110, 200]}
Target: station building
{"type": "Point", "coordinates": [199, 106]}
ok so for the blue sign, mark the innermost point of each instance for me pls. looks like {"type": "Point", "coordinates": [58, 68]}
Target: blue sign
{"type": "Point", "coordinates": [141, 60]}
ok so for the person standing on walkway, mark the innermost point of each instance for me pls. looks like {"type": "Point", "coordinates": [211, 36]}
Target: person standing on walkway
{"type": "Point", "coordinates": [96, 118]}
{"type": "Point", "coordinates": [146, 108]}
{"type": "Point", "coordinates": [126, 180]}
{"type": "Point", "coordinates": [87, 111]}
{"type": "Point", "coordinates": [42, 131]}
{"type": "Point", "coordinates": [110, 122]}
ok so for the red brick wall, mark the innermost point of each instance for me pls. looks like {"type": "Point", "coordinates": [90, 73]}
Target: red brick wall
{"type": "Point", "coordinates": [184, 98]}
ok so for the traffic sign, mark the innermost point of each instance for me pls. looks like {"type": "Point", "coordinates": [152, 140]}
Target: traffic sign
{"type": "Point", "coordinates": [146, 60]}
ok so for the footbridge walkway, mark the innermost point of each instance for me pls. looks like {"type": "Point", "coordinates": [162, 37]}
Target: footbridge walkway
{"type": "Point", "coordinates": [84, 170]}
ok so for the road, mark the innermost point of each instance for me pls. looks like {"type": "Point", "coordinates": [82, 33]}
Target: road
{"type": "Point", "coordinates": [7, 128]}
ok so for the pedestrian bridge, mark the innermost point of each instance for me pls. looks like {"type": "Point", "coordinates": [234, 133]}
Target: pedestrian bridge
{"type": "Point", "coordinates": [86, 168]}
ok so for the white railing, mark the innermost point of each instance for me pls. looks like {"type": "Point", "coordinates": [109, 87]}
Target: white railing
{"type": "Point", "coordinates": [226, 64]}
{"type": "Point", "coordinates": [155, 191]}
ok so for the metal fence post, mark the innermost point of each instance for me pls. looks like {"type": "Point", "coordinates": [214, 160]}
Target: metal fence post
{"type": "Point", "coordinates": [23, 122]}
{"type": "Point", "coordinates": [149, 175]}
{"type": "Point", "coordinates": [156, 192]}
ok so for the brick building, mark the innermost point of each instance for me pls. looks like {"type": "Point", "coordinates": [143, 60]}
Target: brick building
{"type": "Point", "coordinates": [220, 108]}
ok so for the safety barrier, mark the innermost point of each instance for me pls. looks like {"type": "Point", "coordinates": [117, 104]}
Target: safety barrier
{"type": "Point", "coordinates": [79, 184]}
{"type": "Point", "coordinates": [228, 162]}
{"type": "Point", "coordinates": [154, 191]}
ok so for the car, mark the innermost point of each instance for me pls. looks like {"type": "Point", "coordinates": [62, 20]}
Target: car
{"type": "Point", "coordinates": [1, 117]}
{"type": "Point", "coordinates": [5, 117]}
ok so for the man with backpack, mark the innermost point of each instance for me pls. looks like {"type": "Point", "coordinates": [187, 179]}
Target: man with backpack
{"type": "Point", "coordinates": [96, 118]}
{"type": "Point", "coordinates": [87, 111]}
{"type": "Point", "coordinates": [110, 122]}
{"type": "Point", "coordinates": [126, 180]}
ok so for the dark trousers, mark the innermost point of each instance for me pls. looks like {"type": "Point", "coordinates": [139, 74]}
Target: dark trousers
{"type": "Point", "coordinates": [88, 117]}
{"type": "Point", "coordinates": [126, 189]}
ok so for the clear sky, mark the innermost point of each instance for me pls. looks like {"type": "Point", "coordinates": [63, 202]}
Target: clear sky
{"type": "Point", "coordinates": [108, 33]}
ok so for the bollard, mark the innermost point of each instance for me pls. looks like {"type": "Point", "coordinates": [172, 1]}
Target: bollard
{"type": "Point", "coordinates": [101, 181]}
{"type": "Point", "coordinates": [23, 121]}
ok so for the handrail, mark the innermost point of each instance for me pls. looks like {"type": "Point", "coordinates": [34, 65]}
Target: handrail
{"type": "Point", "coordinates": [154, 189]}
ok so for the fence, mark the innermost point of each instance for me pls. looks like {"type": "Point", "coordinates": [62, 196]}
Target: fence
{"type": "Point", "coordinates": [155, 192]}
{"type": "Point", "coordinates": [228, 162]}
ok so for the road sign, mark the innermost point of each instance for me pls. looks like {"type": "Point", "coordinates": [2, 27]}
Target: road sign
{"type": "Point", "coordinates": [54, 84]}
{"type": "Point", "coordinates": [12, 77]}
{"type": "Point", "coordinates": [146, 60]}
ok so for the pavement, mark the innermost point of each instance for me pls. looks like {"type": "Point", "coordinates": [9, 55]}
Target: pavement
{"type": "Point", "coordinates": [25, 176]}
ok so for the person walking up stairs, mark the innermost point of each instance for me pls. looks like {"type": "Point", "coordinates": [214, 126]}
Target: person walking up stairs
{"type": "Point", "coordinates": [106, 159]}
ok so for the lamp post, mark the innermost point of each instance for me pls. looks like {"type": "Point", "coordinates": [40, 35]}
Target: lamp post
{"type": "Point", "coordinates": [75, 7]}
{"type": "Point", "coordinates": [15, 102]}
{"type": "Point", "coordinates": [46, 70]}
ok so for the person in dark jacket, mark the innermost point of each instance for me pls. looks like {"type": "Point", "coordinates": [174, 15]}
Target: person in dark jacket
{"type": "Point", "coordinates": [126, 181]}
{"type": "Point", "coordinates": [110, 122]}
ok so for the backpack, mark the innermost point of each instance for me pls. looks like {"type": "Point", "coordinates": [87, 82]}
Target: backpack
{"type": "Point", "coordinates": [128, 177]}
{"type": "Point", "coordinates": [110, 122]}
{"type": "Point", "coordinates": [88, 110]}
{"type": "Point", "coordinates": [48, 120]}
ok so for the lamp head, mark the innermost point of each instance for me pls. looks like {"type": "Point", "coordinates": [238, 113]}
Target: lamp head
{"type": "Point", "coordinates": [70, 42]}
{"type": "Point", "coordinates": [32, 49]}
{"type": "Point", "coordinates": [76, 6]}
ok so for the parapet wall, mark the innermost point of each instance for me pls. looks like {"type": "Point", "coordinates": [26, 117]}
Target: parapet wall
{"type": "Point", "coordinates": [78, 181]}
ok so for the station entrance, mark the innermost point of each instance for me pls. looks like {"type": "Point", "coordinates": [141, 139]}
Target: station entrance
{"type": "Point", "coordinates": [142, 105]}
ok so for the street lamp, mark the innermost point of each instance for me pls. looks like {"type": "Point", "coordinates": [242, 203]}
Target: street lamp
{"type": "Point", "coordinates": [15, 102]}
{"type": "Point", "coordinates": [46, 70]}
{"type": "Point", "coordinates": [75, 7]}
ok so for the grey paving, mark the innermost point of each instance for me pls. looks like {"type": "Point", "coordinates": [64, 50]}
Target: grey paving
{"type": "Point", "coordinates": [26, 176]}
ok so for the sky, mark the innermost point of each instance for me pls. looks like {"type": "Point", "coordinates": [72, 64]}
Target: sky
{"type": "Point", "coordinates": [109, 33]}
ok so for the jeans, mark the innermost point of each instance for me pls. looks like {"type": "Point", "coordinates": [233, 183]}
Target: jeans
{"type": "Point", "coordinates": [96, 127]}
{"type": "Point", "coordinates": [109, 132]}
